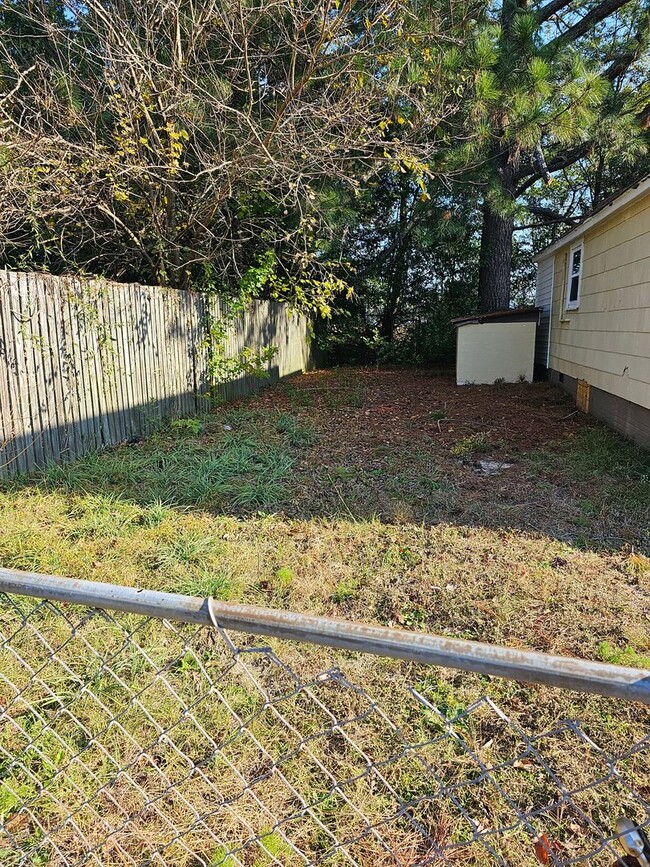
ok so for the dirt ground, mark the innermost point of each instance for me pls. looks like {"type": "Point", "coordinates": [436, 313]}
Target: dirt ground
{"type": "Point", "coordinates": [360, 493]}
{"type": "Point", "coordinates": [407, 444]}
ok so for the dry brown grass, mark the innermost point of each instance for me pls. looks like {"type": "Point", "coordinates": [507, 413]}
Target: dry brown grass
{"type": "Point", "coordinates": [354, 493]}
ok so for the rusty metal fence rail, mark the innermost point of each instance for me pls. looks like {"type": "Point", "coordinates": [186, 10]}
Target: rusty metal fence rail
{"type": "Point", "coordinates": [127, 739]}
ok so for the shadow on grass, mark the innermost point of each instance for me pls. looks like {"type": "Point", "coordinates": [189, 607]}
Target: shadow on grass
{"type": "Point", "coordinates": [262, 502]}
{"type": "Point", "coordinates": [279, 502]}
{"type": "Point", "coordinates": [274, 454]}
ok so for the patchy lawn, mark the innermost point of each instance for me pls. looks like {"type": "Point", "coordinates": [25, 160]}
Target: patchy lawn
{"type": "Point", "coordinates": [361, 494]}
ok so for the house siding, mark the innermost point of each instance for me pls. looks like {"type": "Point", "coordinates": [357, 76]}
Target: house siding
{"type": "Point", "coordinates": [543, 300]}
{"type": "Point", "coordinates": [606, 341]}
{"type": "Point", "coordinates": [628, 418]}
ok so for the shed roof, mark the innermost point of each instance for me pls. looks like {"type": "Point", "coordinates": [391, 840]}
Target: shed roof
{"type": "Point", "coordinates": [605, 209]}
{"type": "Point", "coordinates": [514, 314]}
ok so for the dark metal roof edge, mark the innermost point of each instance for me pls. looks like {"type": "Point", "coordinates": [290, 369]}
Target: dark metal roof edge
{"type": "Point", "coordinates": [510, 313]}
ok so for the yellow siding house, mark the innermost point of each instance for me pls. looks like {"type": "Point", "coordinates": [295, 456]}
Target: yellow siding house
{"type": "Point", "coordinates": [593, 286]}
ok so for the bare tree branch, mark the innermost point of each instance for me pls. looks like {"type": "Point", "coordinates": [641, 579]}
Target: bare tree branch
{"type": "Point", "coordinates": [551, 216]}
{"type": "Point", "coordinates": [584, 25]}
{"type": "Point", "coordinates": [551, 9]}
{"type": "Point", "coordinates": [180, 142]}
{"type": "Point", "coordinates": [561, 161]}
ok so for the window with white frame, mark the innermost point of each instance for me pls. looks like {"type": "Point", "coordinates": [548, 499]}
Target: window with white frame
{"type": "Point", "coordinates": [574, 278]}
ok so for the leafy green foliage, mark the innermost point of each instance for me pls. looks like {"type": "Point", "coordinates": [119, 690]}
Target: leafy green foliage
{"type": "Point", "coordinates": [222, 366]}
{"type": "Point", "coordinates": [244, 468]}
{"type": "Point", "coordinates": [410, 279]}
{"type": "Point", "coordinates": [169, 167]}
{"type": "Point", "coordinates": [190, 161]}
{"type": "Point", "coordinates": [189, 425]}
{"type": "Point", "coordinates": [548, 96]}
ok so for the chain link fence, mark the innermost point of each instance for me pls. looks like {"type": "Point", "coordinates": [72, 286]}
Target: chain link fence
{"type": "Point", "coordinates": [129, 740]}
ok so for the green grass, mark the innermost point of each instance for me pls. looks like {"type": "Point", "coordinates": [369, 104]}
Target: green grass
{"type": "Point", "coordinates": [609, 480]}
{"type": "Point", "coordinates": [597, 451]}
{"type": "Point", "coordinates": [297, 397]}
{"type": "Point", "coordinates": [285, 577]}
{"type": "Point", "coordinates": [594, 454]}
{"type": "Point", "coordinates": [471, 445]}
{"type": "Point", "coordinates": [344, 591]}
{"type": "Point", "coordinates": [342, 396]}
{"type": "Point", "coordinates": [245, 467]}
{"type": "Point", "coordinates": [627, 655]}
{"type": "Point", "coordinates": [345, 508]}
{"type": "Point", "coordinates": [295, 431]}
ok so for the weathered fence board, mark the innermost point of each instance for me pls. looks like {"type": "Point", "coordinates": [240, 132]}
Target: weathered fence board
{"type": "Point", "coordinates": [89, 363]}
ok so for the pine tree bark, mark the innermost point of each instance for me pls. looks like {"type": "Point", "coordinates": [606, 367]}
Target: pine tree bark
{"type": "Point", "coordinates": [495, 263]}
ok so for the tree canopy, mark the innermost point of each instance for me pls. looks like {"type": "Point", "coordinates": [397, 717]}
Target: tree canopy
{"type": "Point", "coordinates": [392, 162]}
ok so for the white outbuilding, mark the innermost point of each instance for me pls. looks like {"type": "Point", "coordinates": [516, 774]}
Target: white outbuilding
{"type": "Point", "coordinates": [496, 347]}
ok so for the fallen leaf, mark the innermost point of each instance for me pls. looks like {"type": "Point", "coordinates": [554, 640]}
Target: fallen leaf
{"type": "Point", "coordinates": [525, 764]}
{"type": "Point", "coordinates": [542, 849]}
{"type": "Point", "coordinates": [16, 822]}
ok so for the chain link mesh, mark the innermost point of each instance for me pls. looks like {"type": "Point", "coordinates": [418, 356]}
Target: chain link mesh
{"type": "Point", "coordinates": [126, 740]}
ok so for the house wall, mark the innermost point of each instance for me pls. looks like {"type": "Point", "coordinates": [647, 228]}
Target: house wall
{"type": "Point", "coordinates": [543, 300]}
{"type": "Point", "coordinates": [606, 341]}
{"type": "Point", "coordinates": [495, 350]}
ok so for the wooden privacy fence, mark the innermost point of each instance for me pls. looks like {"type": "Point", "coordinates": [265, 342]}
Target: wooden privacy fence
{"type": "Point", "coordinates": [91, 363]}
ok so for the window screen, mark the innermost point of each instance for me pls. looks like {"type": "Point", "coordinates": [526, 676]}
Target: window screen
{"type": "Point", "coordinates": [574, 276]}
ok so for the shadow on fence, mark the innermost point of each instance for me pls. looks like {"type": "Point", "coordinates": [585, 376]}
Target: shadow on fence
{"type": "Point", "coordinates": [60, 443]}
{"type": "Point", "coordinates": [87, 364]}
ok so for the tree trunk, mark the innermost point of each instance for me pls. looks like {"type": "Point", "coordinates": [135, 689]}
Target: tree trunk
{"type": "Point", "coordinates": [495, 261]}
{"type": "Point", "coordinates": [399, 269]}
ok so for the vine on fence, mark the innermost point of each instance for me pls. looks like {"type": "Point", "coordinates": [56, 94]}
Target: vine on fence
{"type": "Point", "coordinates": [307, 295]}
{"type": "Point", "coordinates": [221, 367]}
{"type": "Point", "coordinates": [83, 295]}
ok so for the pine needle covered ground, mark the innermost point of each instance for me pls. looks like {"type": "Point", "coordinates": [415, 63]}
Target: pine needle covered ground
{"type": "Point", "coordinates": [361, 494]}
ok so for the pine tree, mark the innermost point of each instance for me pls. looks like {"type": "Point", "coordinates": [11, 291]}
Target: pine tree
{"type": "Point", "coordinates": [552, 84]}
